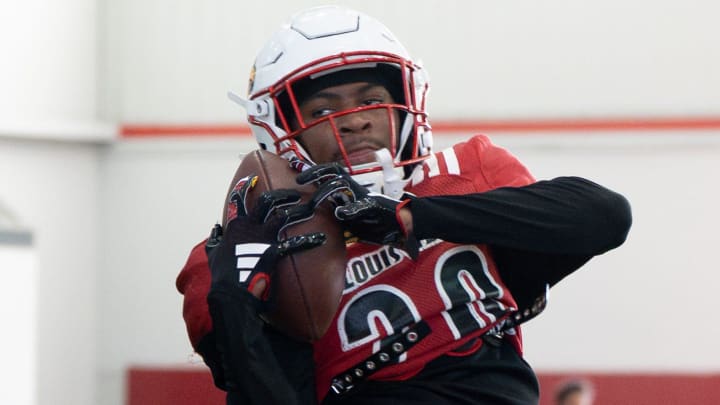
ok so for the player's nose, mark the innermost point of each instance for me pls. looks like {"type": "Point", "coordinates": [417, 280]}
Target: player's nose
{"type": "Point", "coordinates": [354, 123]}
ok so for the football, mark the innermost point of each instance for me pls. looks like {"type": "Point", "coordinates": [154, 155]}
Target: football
{"type": "Point", "coordinates": [307, 285]}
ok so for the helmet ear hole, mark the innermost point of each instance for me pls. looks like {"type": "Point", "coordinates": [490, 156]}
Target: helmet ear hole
{"type": "Point", "coordinates": [285, 109]}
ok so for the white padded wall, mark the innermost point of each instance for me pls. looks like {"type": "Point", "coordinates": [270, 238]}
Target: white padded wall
{"type": "Point", "coordinates": [173, 61]}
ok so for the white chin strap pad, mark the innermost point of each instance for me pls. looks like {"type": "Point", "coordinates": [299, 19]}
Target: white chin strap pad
{"type": "Point", "coordinates": [389, 181]}
{"type": "Point", "coordinates": [393, 183]}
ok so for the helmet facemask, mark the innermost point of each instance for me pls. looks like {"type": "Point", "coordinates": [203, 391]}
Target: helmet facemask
{"type": "Point", "coordinates": [321, 44]}
{"type": "Point", "coordinates": [404, 116]}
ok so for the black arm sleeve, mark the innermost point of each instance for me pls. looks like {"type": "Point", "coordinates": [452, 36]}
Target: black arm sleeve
{"type": "Point", "coordinates": [539, 233]}
{"type": "Point", "coordinates": [251, 361]}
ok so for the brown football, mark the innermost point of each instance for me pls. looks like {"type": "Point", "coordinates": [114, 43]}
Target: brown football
{"type": "Point", "coordinates": [307, 286]}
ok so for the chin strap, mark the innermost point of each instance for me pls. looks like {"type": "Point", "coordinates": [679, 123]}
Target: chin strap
{"type": "Point", "coordinates": [387, 181]}
{"type": "Point", "coordinates": [393, 183]}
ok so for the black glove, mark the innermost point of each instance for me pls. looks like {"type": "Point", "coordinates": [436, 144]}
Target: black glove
{"type": "Point", "coordinates": [369, 217]}
{"type": "Point", "coordinates": [246, 361]}
{"type": "Point", "coordinates": [249, 248]}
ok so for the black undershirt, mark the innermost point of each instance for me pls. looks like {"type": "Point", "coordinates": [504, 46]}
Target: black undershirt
{"type": "Point", "coordinates": [538, 233]}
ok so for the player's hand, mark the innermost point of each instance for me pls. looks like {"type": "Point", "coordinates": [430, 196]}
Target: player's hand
{"type": "Point", "coordinates": [273, 211]}
{"type": "Point", "coordinates": [245, 254]}
{"type": "Point", "coordinates": [369, 217]}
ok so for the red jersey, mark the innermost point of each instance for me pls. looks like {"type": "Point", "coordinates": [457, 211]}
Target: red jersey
{"type": "Point", "coordinates": [455, 289]}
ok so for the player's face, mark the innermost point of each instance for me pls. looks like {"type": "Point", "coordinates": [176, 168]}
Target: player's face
{"type": "Point", "coordinates": [361, 133]}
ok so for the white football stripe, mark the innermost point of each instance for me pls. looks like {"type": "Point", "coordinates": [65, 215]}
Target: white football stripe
{"type": "Point", "coordinates": [432, 164]}
{"type": "Point", "coordinates": [244, 274]}
{"type": "Point", "coordinates": [247, 262]}
{"type": "Point", "coordinates": [451, 161]}
{"type": "Point", "coordinates": [250, 248]}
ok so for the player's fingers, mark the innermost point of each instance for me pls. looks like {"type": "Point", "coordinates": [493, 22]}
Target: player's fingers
{"type": "Point", "coordinates": [338, 190]}
{"type": "Point", "coordinates": [319, 173]}
{"type": "Point", "coordinates": [356, 209]}
{"type": "Point", "coordinates": [269, 201]}
{"type": "Point", "coordinates": [290, 216]}
{"type": "Point", "coordinates": [301, 242]}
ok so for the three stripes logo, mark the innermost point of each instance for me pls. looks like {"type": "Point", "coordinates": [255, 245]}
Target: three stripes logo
{"type": "Point", "coordinates": [248, 255]}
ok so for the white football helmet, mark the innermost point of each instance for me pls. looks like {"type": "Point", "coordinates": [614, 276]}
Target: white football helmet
{"type": "Point", "coordinates": [325, 40]}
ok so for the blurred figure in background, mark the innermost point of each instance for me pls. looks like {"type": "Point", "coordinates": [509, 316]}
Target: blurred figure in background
{"type": "Point", "coordinates": [575, 392]}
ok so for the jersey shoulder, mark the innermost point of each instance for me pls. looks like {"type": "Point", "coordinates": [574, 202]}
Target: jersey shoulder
{"type": "Point", "coordinates": [478, 161]}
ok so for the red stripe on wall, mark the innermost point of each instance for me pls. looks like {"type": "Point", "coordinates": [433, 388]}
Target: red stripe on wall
{"type": "Point", "coordinates": [158, 386]}
{"type": "Point", "coordinates": [160, 130]}
{"type": "Point", "coordinates": [581, 125]}
{"type": "Point", "coordinates": [463, 126]}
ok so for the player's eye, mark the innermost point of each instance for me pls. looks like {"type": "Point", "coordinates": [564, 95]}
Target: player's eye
{"type": "Point", "coordinates": [373, 101]}
{"type": "Point", "coordinates": [321, 112]}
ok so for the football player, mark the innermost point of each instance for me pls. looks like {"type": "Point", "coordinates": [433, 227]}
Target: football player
{"type": "Point", "coordinates": [448, 251]}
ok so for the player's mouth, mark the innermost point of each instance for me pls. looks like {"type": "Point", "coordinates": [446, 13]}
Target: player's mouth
{"type": "Point", "coordinates": [363, 152]}
{"type": "Point", "coordinates": [362, 155]}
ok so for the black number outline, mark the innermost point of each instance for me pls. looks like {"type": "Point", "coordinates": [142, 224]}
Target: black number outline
{"type": "Point", "coordinates": [355, 333]}
{"type": "Point", "coordinates": [462, 303]}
